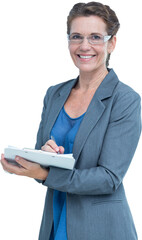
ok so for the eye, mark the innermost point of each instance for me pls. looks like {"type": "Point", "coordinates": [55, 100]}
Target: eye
{"type": "Point", "coordinates": [96, 37]}
{"type": "Point", "coordinates": [75, 37]}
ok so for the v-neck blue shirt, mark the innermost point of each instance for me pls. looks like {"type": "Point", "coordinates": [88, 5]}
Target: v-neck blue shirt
{"type": "Point", "coordinates": [64, 132]}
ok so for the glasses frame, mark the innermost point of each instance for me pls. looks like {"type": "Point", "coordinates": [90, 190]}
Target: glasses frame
{"type": "Point", "coordinates": [79, 41]}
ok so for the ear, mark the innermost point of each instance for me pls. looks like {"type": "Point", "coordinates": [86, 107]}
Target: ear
{"type": "Point", "coordinates": [111, 44]}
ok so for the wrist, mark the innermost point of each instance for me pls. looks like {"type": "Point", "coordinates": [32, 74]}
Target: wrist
{"type": "Point", "coordinates": [43, 174]}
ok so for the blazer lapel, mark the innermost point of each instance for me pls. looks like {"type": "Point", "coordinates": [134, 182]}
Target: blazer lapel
{"type": "Point", "coordinates": [92, 116]}
{"type": "Point", "coordinates": [57, 105]}
{"type": "Point", "coordinates": [94, 111]}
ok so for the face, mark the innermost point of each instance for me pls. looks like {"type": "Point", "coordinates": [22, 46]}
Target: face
{"type": "Point", "coordinates": [90, 57]}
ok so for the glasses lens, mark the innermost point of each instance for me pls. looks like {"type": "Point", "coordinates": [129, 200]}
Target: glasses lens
{"type": "Point", "coordinates": [96, 39]}
{"type": "Point", "coordinates": [76, 38]}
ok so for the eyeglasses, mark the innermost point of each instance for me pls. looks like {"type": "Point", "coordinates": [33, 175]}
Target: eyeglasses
{"type": "Point", "coordinates": [92, 39]}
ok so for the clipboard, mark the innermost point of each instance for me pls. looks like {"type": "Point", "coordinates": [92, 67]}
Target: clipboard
{"type": "Point", "coordinates": [45, 159]}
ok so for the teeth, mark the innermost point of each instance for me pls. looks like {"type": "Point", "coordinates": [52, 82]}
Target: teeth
{"type": "Point", "coordinates": [85, 57]}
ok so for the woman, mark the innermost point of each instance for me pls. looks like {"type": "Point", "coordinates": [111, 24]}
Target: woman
{"type": "Point", "coordinates": [96, 117]}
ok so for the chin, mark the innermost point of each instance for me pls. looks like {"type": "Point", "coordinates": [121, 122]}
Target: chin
{"type": "Point", "coordinates": [88, 69]}
{"type": "Point", "coordinates": [91, 69]}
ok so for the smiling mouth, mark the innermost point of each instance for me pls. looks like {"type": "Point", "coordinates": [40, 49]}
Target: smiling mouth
{"type": "Point", "coordinates": [86, 57]}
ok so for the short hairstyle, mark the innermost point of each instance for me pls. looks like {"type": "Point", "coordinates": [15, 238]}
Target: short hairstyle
{"type": "Point", "coordinates": [95, 9]}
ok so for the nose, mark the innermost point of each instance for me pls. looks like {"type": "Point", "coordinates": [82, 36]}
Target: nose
{"type": "Point", "coordinates": [85, 45]}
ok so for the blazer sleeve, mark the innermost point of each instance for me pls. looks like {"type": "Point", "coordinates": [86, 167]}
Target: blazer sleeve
{"type": "Point", "coordinates": [39, 142]}
{"type": "Point", "coordinates": [119, 145]}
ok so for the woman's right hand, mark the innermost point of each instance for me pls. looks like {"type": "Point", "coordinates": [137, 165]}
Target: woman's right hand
{"type": "Point", "coordinates": [51, 146]}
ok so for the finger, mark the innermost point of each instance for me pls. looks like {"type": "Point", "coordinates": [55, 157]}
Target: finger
{"type": "Point", "coordinates": [10, 167]}
{"type": "Point", "coordinates": [24, 163]}
{"type": "Point", "coordinates": [50, 146]}
{"type": "Point", "coordinates": [2, 156]}
{"type": "Point", "coordinates": [4, 162]}
{"type": "Point", "coordinates": [47, 148]}
{"type": "Point", "coordinates": [61, 149]}
{"type": "Point", "coordinates": [53, 145]}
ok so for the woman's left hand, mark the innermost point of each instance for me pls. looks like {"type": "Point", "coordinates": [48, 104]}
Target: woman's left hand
{"type": "Point", "coordinates": [26, 168]}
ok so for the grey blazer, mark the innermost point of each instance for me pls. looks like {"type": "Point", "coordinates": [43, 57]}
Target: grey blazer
{"type": "Point", "coordinates": [104, 146]}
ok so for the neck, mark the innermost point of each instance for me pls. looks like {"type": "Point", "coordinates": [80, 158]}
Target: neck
{"type": "Point", "coordinates": [88, 81]}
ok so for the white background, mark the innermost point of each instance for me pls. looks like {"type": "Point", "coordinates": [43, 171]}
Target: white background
{"type": "Point", "coordinates": [33, 56]}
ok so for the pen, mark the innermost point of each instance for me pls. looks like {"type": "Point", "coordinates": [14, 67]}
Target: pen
{"type": "Point", "coordinates": [52, 138]}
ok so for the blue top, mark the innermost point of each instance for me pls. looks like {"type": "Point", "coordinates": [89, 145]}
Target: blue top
{"type": "Point", "coordinates": [64, 132]}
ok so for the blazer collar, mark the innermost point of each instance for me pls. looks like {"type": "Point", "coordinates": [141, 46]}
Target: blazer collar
{"type": "Point", "coordinates": [104, 90]}
{"type": "Point", "coordinates": [107, 86]}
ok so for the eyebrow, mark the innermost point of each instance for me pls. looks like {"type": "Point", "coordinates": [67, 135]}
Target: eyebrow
{"type": "Point", "coordinates": [75, 33]}
{"type": "Point", "coordinates": [82, 34]}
